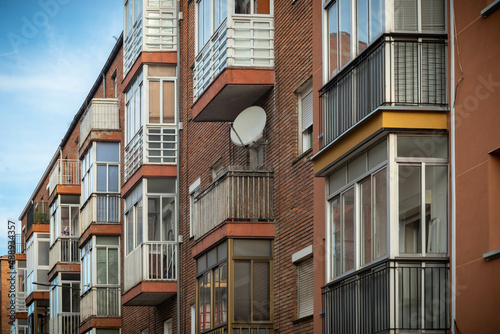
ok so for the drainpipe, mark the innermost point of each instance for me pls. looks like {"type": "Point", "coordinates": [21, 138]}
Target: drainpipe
{"type": "Point", "coordinates": [453, 172]}
{"type": "Point", "coordinates": [179, 128]}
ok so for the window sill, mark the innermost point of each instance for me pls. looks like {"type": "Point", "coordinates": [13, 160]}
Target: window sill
{"type": "Point", "coordinates": [303, 319]}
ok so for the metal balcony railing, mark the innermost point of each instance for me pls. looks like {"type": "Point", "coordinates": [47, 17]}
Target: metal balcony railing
{"type": "Point", "coordinates": [38, 213]}
{"type": "Point", "coordinates": [237, 194]}
{"type": "Point", "coordinates": [240, 41]}
{"type": "Point", "coordinates": [101, 209]}
{"type": "Point", "coordinates": [100, 302]}
{"type": "Point", "coordinates": [64, 172]}
{"type": "Point", "coordinates": [410, 72]}
{"type": "Point", "coordinates": [253, 328]}
{"type": "Point", "coordinates": [396, 295]}
{"type": "Point", "coordinates": [101, 114]}
{"type": "Point", "coordinates": [151, 261]}
{"type": "Point", "coordinates": [65, 323]}
{"type": "Point", "coordinates": [65, 249]}
{"type": "Point", "coordinates": [20, 244]}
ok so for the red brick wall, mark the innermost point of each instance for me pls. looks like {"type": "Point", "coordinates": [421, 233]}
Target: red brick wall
{"type": "Point", "coordinates": [4, 295]}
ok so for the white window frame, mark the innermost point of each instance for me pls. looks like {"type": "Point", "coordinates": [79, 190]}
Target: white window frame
{"type": "Point", "coordinates": [167, 326]}
{"type": "Point", "coordinates": [300, 259]}
{"type": "Point", "coordinates": [129, 26]}
{"type": "Point", "coordinates": [305, 136]}
{"type": "Point", "coordinates": [161, 80]}
{"type": "Point", "coordinates": [134, 109]}
{"type": "Point", "coordinates": [108, 164]}
{"type": "Point", "coordinates": [194, 190]}
{"type": "Point", "coordinates": [213, 27]}
{"type": "Point", "coordinates": [107, 248]}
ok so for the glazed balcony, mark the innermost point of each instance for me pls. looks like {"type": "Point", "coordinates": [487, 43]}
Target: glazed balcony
{"type": "Point", "coordinates": [237, 195]}
{"type": "Point", "coordinates": [65, 172]}
{"type": "Point", "coordinates": [398, 74]}
{"type": "Point", "coordinates": [21, 302]}
{"type": "Point", "coordinates": [103, 302]}
{"type": "Point", "coordinates": [234, 68]}
{"type": "Point", "coordinates": [101, 114]}
{"type": "Point", "coordinates": [65, 323]}
{"type": "Point", "coordinates": [395, 295]}
{"type": "Point", "coordinates": [64, 250]}
{"type": "Point", "coordinates": [38, 213]}
{"type": "Point", "coordinates": [152, 30]}
{"type": "Point", "coordinates": [100, 209]}
{"type": "Point", "coordinates": [151, 273]}
{"type": "Point", "coordinates": [157, 147]}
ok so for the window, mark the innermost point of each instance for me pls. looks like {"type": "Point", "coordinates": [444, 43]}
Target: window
{"type": "Point", "coordinates": [87, 187]}
{"type": "Point", "coordinates": [252, 6]}
{"type": "Point", "coordinates": [194, 190]}
{"type": "Point", "coordinates": [133, 11]}
{"type": "Point", "coordinates": [161, 81]}
{"type": "Point", "coordinates": [305, 106]}
{"type": "Point", "coordinates": [305, 275]}
{"type": "Point", "coordinates": [133, 107]}
{"type": "Point", "coordinates": [207, 24]}
{"type": "Point", "coordinates": [114, 83]}
{"type": "Point", "coordinates": [419, 15]}
{"type": "Point", "coordinates": [86, 267]}
{"type": "Point", "coordinates": [343, 31]}
{"type": "Point", "coordinates": [107, 265]}
{"type": "Point", "coordinates": [212, 267]}
{"type": "Point", "coordinates": [107, 160]}
{"type": "Point", "coordinates": [161, 210]}
{"type": "Point", "coordinates": [167, 327]}
{"type": "Point", "coordinates": [37, 256]}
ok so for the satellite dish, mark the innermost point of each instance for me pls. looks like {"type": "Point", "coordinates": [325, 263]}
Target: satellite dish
{"type": "Point", "coordinates": [248, 126]}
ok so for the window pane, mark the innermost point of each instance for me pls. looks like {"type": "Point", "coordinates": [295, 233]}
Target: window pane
{"type": "Point", "coordinates": [423, 146]}
{"type": "Point", "coordinates": [356, 168]}
{"type": "Point", "coordinates": [161, 70]}
{"type": "Point", "coordinates": [168, 102]}
{"type": "Point", "coordinates": [405, 15]}
{"type": "Point", "coordinates": [376, 8]}
{"type": "Point", "coordinates": [409, 209]}
{"type": "Point", "coordinates": [108, 152]}
{"type": "Point", "coordinates": [345, 31]}
{"type": "Point", "coordinates": [242, 6]}
{"type": "Point", "coordinates": [220, 294]}
{"type": "Point", "coordinates": [436, 208]}
{"type": "Point", "coordinates": [336, 238]}
{"type": "Point", "coordinates": [75, 224]}
{"type": "Point", "coordinates": [366, 221]}
{"type": "Point", "coordinates": [65, 220]}
{"type": "Point", "coordinates": [241, 291]}
{"type": "Point", "coordinates": [102, 177]}
{"type": "Point", "coordinates": [138, 222]}
{"type": "Point", "coordinates": [254, 248]}
{"type": "Point", "coordinates": [113, 266]}
{"type": "Point", "coordinates": [154, 219]}
{"type": "Point", "coordinates": [380, 213]}
{"type": "Point", "coordinates": [66, 298]}
{"type": "Point", "coordinates": [113, 178]}
{"type": "Point", "coordinates": [377, 155]}
{"type": "Point", "coordinates": [261, 6]}
{"type": "Point", "coordinates": [204, 297]}
{"type": "Point", "coordinates": [106, 240]}
{"type": "Point", "coordinates": [161, 186]}
{"type": "Point", "coordinates": [348, 242]}
{"type": "Point", "coordinates": [43, 253]}
{"type": "Point", "coordinates": [362, 25]}
{"type": "Point", "coordinates": [261, 291]}
{"type": "Point", "coordinates": [130, 230]}
{"type": "Point", "coordinates": [332, 40]}
{"type": "Point", "coordinates": [154, 102]}
{"type": "Point", "coordinates": [168, 215]}
{"type": "Point", "coordinates": [101, 266]}
{"type": "Point", "coordinates": [75, 298]}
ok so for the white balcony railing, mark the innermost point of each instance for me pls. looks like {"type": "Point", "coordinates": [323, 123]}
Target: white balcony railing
{"type": "Point", "coordinates": [237, 195]}
{"type": "Point", "coordinates": [101, 209]}
{"type": "Point", "coordinates": [64, 172]}
{"type": "Point", "coordinates": [240, 41]}
{"type": "Point", "coordinates": [100, 302]}
{"type": "Point", "coordinates": [65, 249]}
{"type": "Point", "coordinates": [151, 261]}
{"type": "Point", "coordinates": [155, 30]}
{"type": "Point", "coordinates": [101, 114]}
{"type": "Point", "coordinates": [65, 323]}
{"type": "Point", "coordinates": [160, 143]}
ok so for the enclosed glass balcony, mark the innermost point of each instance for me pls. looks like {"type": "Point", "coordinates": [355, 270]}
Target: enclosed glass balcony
{"type": "Point", "coordinates": [101, 114]}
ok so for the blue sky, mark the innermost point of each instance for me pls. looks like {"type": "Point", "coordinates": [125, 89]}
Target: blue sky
{"type": "Point", "coordinates": [51, 52]}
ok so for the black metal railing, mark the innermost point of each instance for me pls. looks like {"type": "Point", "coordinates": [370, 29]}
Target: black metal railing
{"type": "Point", "coordinates": [38, 213]}
{"type": "Point", "coordinates": [415, 293]}
{"type": "Point", "coordinates": [20, 245]}
{"type": "Point", "coordinates": [416, 77]}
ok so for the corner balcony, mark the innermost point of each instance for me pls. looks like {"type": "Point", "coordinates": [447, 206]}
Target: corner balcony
{"type": "Point", "coordinates": [392, 296]}
{"type": "Point", "coordinates": [100, 302]}
{"type": "Point", "coordinates": [154, 30]}
{"type": "Point", "coordinates": [100, 209]}
{"type": "Point", "coordinates": [150, 273]}
{"type": "Point", "coordinates": [38, 213]}
{"type": "Point", "coordinates": [234, 68]}
{"type": "Point", "coordinates": [404, 74]}
{"type": "Point", "coordinates": [237, 195]}
{"type": "Point", "coordinates": [65, 173]}
{"type": "Point", "coordinates": [101, 114]}
{"type": "Point", "coordinates": [64, 251]}
{"type": "Point", "coordinates": [65, 323]}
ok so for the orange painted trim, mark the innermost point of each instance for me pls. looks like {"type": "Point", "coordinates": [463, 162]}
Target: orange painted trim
{"type": "Point", "coordinates": [230, 230]}
{"type": "Point", "coordinates": [37, 295]}
{"type": "Point", "coordinates": [64, 268]}
{"type": "Point", "coordinates": [100, 135]}
{"type": "Point", "coordinates": [149, 171]}
{"type": "Point", "coordinates": [99, 229]}
{"type": "Point", "coordinates": [97, 322]}
{"type": "Point", "coordinates": [232, 76]}
{"type": "Point", "coordinates": [169, 57]}
{"type": "Point", "coordinates": [37, 228]}
{"type": "Point", "coordinates": [20, 256]}
{"type": "Point", "coordinates": [65, 189]}
{"type": "Point", "coordinates": [149, 287]}
{"type": "Point", "coordinates": [22, 315]}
